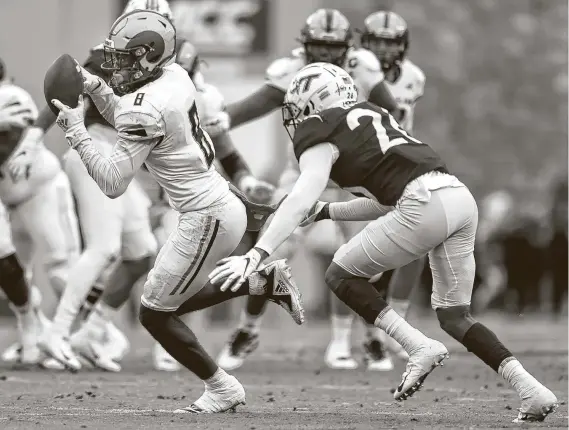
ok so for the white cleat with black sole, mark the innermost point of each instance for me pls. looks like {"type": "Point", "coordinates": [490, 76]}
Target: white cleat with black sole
{"type": "Point", "coordinates": [215, 401]}
{"type": "Point", "coordinates": [376, 358]}
{"type": "Point", "coordinates": [421, 363]}
{"type": "Point", "coordinates": [240, 346]}
{"type": "Point", "coordinates": [338, 356]}
{"type": "Point", "coordinates": [59, 348]}
{"type": "Point", "coordinates": [163, 361]}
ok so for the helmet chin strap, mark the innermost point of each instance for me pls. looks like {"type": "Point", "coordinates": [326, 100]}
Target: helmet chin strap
{"type": "Point", "coordinates": [120, 78]}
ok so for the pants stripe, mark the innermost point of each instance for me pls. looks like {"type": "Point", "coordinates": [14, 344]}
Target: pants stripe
{"type": "Point", "coordinates": [197, 262]}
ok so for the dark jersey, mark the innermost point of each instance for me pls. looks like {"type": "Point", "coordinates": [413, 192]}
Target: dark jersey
{"type": "Point", "coordinates": [376, 157]}
{"type": "Point", "coordinates": [93, 65]}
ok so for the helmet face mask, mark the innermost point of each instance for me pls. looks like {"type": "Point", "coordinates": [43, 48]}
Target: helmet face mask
{"type": "Point", "coordinates": [386, 35]}
{"type": "Point", "coordinates": [326, 37]}
{"type": "Point", "coordinates": [138, 47]}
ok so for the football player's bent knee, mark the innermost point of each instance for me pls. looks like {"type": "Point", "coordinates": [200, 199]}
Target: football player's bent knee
{"type": "Point", "coordinates": [455, 320]}
{"type": "Point", "coordinates": [152, 320]}
{"type": "Point", "coordinates": [335, 275]}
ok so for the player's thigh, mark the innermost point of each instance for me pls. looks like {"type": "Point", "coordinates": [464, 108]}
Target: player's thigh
{"type": "Point", "coordinates": [452, 262]}
{"type": "Point", "coordinates": [99, 216]}
{"type": "Point", "coordinates": [138, 240]}
{"type": "Point", "coordinates": [6, 245]}
{"type": "Point", "coordinates": [395, 239]}
{"type": "Point", "coordinates": [49, 218]}
{"type": "Point", "coordinates": [191, 252]}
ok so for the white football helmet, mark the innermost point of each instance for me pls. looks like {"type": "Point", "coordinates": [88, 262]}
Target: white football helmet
{"type": "Point", "coordinates": [316, 87]}
{"type": "Point", "coordinates": [160, 6]}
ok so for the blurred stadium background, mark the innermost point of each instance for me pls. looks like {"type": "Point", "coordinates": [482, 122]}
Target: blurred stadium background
{"type": "Point", "coordinates": [495, 107]}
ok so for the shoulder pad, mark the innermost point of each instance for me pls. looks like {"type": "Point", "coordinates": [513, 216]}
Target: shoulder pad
{"type": "Point", "coordinates": [415, 71]}
{"type": "Point", "coordinates": [362, 58]}
{"type": "Point", "coordinates": [281, 72]}
{"type": "Point", "coordinates": [137, 119]}
{"type": "Point", "coordinates": [209, 101]}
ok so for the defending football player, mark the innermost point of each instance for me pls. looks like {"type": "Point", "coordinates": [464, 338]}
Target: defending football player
{"type": "Point", "coordinates": [157, 124]}
{"type": "Point", "coordinates": [416, 207]}
{"type": "Point", "coordinates": [327, 37]}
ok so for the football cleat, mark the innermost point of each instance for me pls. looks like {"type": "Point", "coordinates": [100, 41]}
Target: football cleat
{"type": "Point", "coordinates": [92, 351]}
{"type": "Point", "coordinates": [214, 401]}
{"type": "Point", "coordinates": [59, 348]}
{"type": "Point", "coordinates": [376, 358]}
{"type": "Point", "coordinates": [339, 356]}
{"type": "Point", "coordinates": [29, 330]}
{"type": "Point", "coordinates": [284, 291]}
{"type": "Point", "coordinates": [239, 347]}
{"type": "Point", "coordinates": [163, 361]}
{"type": "Point", "coordinates": [115, 342]}
{"type": "Point", "coordinates": [421, 363]}
{"type": "Point", "coordinates": [539, 404]}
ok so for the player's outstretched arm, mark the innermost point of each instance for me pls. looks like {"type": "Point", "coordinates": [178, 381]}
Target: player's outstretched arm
{"type": "Point", "coordinates": [315, 164]}
{"type": "Point", "coordinates": [361, 209]}
{"type": "Point", "coordinates": [263, 101]}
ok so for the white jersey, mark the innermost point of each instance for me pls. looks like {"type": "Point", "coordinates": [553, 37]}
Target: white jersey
{"type": "Point", "coordinates": [182, 161]}
{"type": "Point", "coordinates": [361, 64]}
{"type": "Point", "coordinates": [42, 167]}
{"type": "Point", "coordinates": [406, 90]}
{"type": "Point", "coordinates": [209, 102]}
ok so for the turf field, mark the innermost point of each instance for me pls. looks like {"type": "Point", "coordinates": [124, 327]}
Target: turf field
{"type": "Point", "coordinates": [289, 388]}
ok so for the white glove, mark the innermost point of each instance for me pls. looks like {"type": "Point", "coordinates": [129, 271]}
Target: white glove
{"type": "Point", "coordinates": [21, 160]}
{"type": "Point", "coordinates": [317, 212]}
{"type": "Point", "coordinates": [12, 116]}
{"type": "Point", "coordinates": [91, 82]}
{"type": "Point", "coordinates": [218, 124]}
{"type": "Point", "coordinates": [72, 122]}
{"type": "Point", "coordinates": [256, 190]}
{"type": "Point", "coordinates": [233, 271]}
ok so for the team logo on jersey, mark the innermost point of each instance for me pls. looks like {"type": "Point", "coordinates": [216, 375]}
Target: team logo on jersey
{"type": "Point", "coordinates": [303, 83]}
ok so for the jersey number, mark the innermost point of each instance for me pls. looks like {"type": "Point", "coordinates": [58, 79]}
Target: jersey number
{"type": "Point", "coordinates": [353, 120]}
{"type": "Point", "coordinates": [201, 137]}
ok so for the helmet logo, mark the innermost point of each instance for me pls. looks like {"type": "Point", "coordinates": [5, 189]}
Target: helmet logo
{"type": "Point", "coordinates": [304, 82]}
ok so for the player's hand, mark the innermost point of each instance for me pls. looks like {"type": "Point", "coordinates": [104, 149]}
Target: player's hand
{"type": "Point", "coordinates": [234, 271]}
{"type": "Point", "coordinates": [90, 81]}
{"type": "Point", "coordinates": [20, 162]}
{"type": "Point", "coordinates": [72, 121]}
{"type": "Point", "coordinates": [12, 117]}
{"type": "Point", "coordinates": [318, 212]}
{"type": "Point", "coordinates": [217, 124]}
{"type": "Point", "coordinates": [256, 190]}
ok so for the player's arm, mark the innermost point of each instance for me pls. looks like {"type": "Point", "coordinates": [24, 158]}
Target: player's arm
{"type": "Point", "coordinates": [361, 209]}
{"type": "Point", "coordinates": [262, 102]}
{"type": "Point", "coordinates": [381, 96]}
{"type": "Point", "coordinates": [230, 158]}
{"type": "Point", "coordinates": [315, 164]}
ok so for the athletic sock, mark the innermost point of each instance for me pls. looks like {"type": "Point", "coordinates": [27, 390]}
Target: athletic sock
{"type": "Point", "coordinates": [518, 377]}
{"type": "Point", "coordinates": [395, 326]}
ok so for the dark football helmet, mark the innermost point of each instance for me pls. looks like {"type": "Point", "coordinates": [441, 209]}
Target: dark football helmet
{"type": "Point", "coordinates": [386, 35]}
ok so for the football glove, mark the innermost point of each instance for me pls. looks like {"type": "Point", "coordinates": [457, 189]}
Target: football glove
{"type": "Point", "coordinates": [256, 190]}
{"type": "Point", "coordinates": [234, 271]}
{"type": "Point", "coordinates": [72, 122]}
{"type": "Point", "coordinates": [91, 82]}
{"type": "Point", "coordinates": [217, 124]}
{"type": "Point", "coordinates": [318, 212]}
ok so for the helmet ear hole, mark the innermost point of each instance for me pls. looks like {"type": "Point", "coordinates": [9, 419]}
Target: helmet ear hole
{"type": "Point", "coordinates": [306, 111]}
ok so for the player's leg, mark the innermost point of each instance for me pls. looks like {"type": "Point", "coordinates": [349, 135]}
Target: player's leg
{"type": "Point", "coordinates": [245, 339]}
{"type": "Point", "coordinates": [101, 224]}
{"type": "Point", "coordinates": [396, 239]}
{"type": "Point", "coordinates": [14, 285]}
{"type": "Point", "coordinates": [453, 267]}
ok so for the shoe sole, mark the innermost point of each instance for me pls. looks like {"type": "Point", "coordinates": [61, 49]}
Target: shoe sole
{"type": "Point", "coordinates": [417, 385]}
{"type": "Point", "coordinates": [530, 418]}
{"type": "Point", "coordinates": [195, 411]}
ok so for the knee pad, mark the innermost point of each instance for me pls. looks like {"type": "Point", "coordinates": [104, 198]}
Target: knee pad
{"type": "Point", "coordinates": [455, 320]}
{"type": "Point", "coordinates": [334, 276]}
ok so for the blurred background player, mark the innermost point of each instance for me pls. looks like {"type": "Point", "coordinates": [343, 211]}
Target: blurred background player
{"type": "Point", "coordinates": [40, 208]}
{"type": "Point", "coordinates": [326, 37]}
{"type": "Point", "coordinates": [209, 102]}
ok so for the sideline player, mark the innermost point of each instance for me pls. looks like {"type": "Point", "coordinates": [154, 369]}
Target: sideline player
{"type": "Point", "coordinates": [157, 124]}
{"type": "Point", "coordinates": [415, 207]}
{"type": "Point", "coordinates": [326, 37]}
{"type": "Point", "coordinates": [39, 205]}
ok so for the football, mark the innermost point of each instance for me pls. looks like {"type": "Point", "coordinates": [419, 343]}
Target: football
{"type": "Point", "coordinates": [62, 82]}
